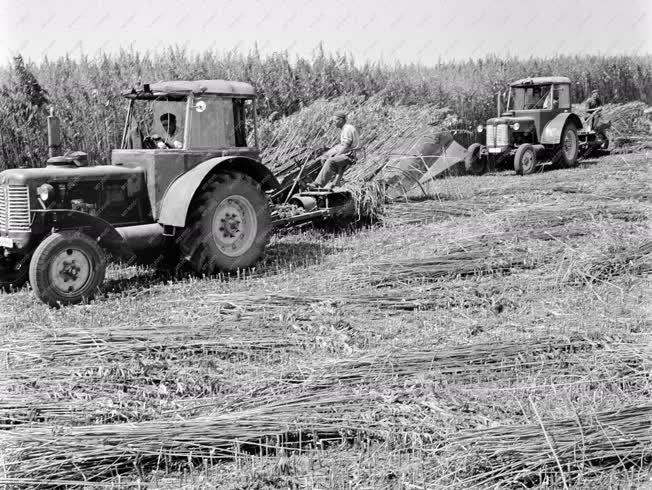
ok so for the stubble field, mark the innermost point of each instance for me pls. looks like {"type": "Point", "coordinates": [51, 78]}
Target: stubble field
{"type": "Point", "coordinates": [495, 336]}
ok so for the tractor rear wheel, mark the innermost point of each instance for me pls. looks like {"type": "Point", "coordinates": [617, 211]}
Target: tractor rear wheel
{"type": "Point", "coordinates": [14, 272]}
{"type": "Point", "coordinates": [525, 160]}
{"type": "Point", "coordinates": [228, 225]}
{"type": "Point", "coordinates": [67, 268]}
{"type": "Point", "coordinates": [473, 161]}
{"type": "Point", "coordinates": [568, 150]}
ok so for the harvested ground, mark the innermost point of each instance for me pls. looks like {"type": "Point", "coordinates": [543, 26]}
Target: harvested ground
{"type": "Point", "coordinates": [496, 335]}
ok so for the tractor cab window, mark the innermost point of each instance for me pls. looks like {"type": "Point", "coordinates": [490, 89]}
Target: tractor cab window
{"type": "Point", "coordinates": [212, 123]}
{"type": "Point", "coordinates": [156, 124]}
{"type": "Point", "coordinates": [220, 122]}
{"type": "Point", "coordinates": [561, 96]}
{"type": "Point", "coordinates": [526, 98]}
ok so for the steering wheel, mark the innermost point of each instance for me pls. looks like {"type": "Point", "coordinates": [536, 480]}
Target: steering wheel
{"type": "Point", "coordinates": [152, 142]}
{"type": "Point", "coordinates": [149, 143]}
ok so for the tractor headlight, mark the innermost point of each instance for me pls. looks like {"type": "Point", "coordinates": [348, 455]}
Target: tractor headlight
{"type": "Point", "coordinates": [45, 192]}
{"type": "Point", "coordinates": [480, 128]}
{"type": "Point", "coordinates": [516, 126]}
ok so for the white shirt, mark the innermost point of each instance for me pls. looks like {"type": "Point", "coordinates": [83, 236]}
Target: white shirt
{"type": "Point", "coordinates": [349, 137]}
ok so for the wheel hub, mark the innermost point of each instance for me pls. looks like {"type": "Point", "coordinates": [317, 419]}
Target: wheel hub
{"type": "Point", "coordinates": [234, 225]}
{"type": "Point", "coordinates": [230, 225]}
{"type": "Point", "coordinates": [70, 271]}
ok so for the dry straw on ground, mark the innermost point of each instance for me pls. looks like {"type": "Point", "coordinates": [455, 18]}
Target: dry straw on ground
{"type": "Point", "coordinates": [339, 400]}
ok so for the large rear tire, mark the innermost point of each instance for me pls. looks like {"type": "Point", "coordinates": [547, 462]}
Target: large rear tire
{"type": "Point", "coordinates": [525, 160]}
{"type": "Point", "coordinates": [568, 151]}
{"type": "Point", "coordinates": [473, 161]}
{"type": "Point", "coordinates": [67, 268]}
{"type": "Point", "coordinates": [228, 226]}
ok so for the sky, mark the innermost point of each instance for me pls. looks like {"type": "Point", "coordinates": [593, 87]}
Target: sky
{"type": "Point", "coordinates": [369, 30]}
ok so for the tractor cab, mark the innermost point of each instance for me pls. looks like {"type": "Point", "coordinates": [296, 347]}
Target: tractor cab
{"type": "Point", "coordinates": [190, 115]}
{"type": "Point", "coordinates": [538, 100]}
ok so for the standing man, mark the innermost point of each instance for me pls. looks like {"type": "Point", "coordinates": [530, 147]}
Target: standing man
{"type": "Point", "coordinates": [338, 158]}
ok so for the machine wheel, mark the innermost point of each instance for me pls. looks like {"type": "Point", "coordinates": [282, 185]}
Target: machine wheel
{"type": "Point", "coordinates": [229, 224]}
{"type": "Point", "coordinates": [568, 149]}
{"type": "Point", "coordinates": [67, 268]}
{"type": "Point", "coordinates": [525, 160]}
{"type": "Point", "coordinates": [473, 162]}
{"type": "Point", "coordinates": [14, 272]}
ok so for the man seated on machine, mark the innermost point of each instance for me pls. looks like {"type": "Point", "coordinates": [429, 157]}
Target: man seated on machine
{"type": "Point", "coordinates": [170, 139]}
{"type": "Point", "coordinates": [341, 156]}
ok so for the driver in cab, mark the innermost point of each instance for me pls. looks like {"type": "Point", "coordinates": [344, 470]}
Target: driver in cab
{"type": "Point", "coordinates": [170, 139]}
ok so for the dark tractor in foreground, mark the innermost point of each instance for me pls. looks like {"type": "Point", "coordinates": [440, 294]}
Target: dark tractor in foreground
{"type": "Point", "coordinates": [539, 127]}
{"type": "Point", "coordinates": [184, 185]}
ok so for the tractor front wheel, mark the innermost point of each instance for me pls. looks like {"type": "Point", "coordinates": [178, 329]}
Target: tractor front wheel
{"type": "Point", "coordinates": [67, 268]}
{"type": "Point", "coordinates": [229, 224]}
{"type": "Point", "coordinates": [473, 161]}
{"type": "Point", "coordinates": [525, 160]}
{"type": "Point", "coordinates": [568, 150]}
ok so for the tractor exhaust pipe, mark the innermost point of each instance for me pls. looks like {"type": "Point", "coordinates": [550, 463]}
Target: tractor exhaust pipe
{"type": "Point", "coordinates": [499, 103]}
{"type": "Point", "coordinates": [54, 134]}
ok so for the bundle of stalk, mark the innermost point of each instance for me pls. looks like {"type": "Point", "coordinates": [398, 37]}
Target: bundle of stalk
{"type": "Point", "coordinates": [532, 216]}
{"type": "Point", "coordinates": [324, 403]}
{"type": "Point", "coordinates": [93, 396]}
{"type": "Point", "coordinates": [406, 213]}
{"type": "Point", "coordinates": [122, 340]}
{"type": "Point", "coordinates": [628, 119]}
{"type": "Point", "coordinates": [636, 190]}
{"type": "Point", "coordinates": [555, 214]}
{"type": "Point", "coordinates": [476, 261]}
{"type": "Point", "coordinates": [603, 263]}
{"type": "Point", "coordinates": [100, 452]}
{"type": "Point", "coordinates": [557, 450]}
{"type": "Point", "coordinates": [384, 131]}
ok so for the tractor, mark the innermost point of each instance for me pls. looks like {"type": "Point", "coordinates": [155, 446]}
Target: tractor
{"type": "Point", "coordinates": [185, 184]}
{"type": "Point", "coordinates": [539, 127]}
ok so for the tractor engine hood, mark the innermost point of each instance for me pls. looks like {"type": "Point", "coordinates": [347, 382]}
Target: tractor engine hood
{"type": "Point", "coordinates": [68, 183]}
{"type": "Point", "coordinates": [525, 124]}
{"type": "Point", "coordinates": [68, 175]}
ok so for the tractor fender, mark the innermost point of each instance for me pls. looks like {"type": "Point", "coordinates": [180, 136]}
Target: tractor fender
{"type": "Point", "coordinates": [97, 228]}
{"type": "Point", "coordinates": [551, 134]}
{"type": "Point", "coordinates": [176, 201]}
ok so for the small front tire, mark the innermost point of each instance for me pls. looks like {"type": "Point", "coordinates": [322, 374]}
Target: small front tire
{"type": "Point", "coordinates": [525, 160]}
{"type": "Point", "coordinates": [67, 268]}
{"type": "Point", "coordinates": [473, 161]}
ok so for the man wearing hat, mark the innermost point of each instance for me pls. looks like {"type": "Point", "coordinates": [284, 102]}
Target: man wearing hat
{"type": "Point", "coordinates": [594, 101]}
{"type": "Point", "coordinates": [338, 158]}
{"type": "Point", "coordinates": [597, 124]}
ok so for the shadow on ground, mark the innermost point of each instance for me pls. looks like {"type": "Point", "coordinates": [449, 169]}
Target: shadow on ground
{"type": "Point", "coordinates": [277, 258]}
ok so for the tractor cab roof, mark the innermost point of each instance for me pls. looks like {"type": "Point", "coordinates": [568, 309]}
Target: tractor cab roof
{"type": "Point", "coordinates": [182, 88]}
{"type": "Point", "coordinates": [526, 82]}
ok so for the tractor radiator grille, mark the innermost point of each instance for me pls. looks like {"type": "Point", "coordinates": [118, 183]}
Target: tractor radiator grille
{"type": "Point", "coordinates": [502, 138]}
{"type": "Point", "coordinates": [491, 135]}
{"type": "Point", "coordinates": [14, 208]}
